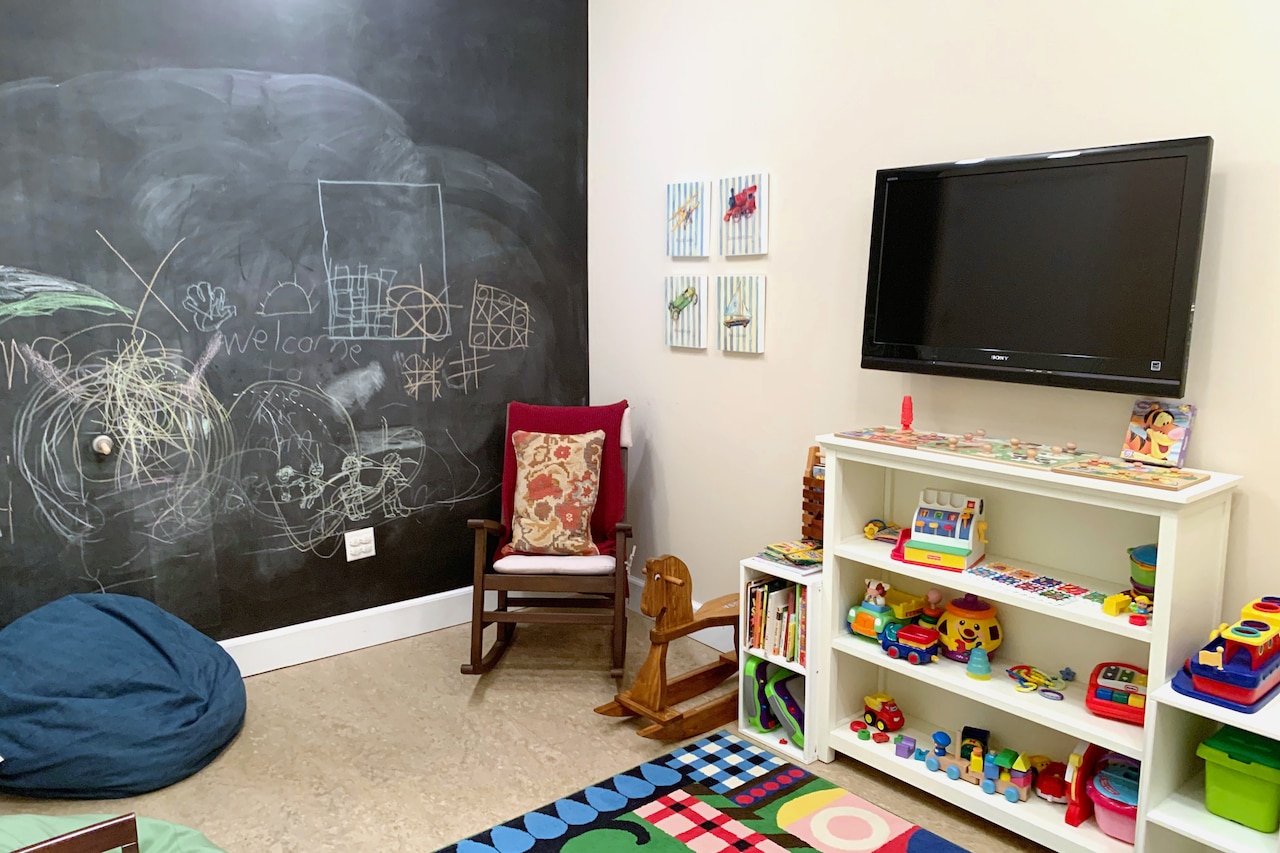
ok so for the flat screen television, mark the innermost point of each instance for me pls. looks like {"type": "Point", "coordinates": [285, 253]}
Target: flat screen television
{"type": "Point", "coordinates": [1071, 268]}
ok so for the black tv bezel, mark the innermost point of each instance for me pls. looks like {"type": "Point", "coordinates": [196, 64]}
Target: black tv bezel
{"type": "Point", "coordinates": [1064, 371]}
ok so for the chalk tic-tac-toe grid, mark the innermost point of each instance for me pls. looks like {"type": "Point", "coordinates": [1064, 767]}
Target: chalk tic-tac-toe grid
{"type": "Point", "coordinates": [723, 762]}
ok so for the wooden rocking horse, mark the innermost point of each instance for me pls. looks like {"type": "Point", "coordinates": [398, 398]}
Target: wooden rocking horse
{"type": "Point", "coordinates": [668, 598]}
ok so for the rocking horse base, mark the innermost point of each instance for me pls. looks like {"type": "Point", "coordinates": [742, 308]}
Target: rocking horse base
{"type": "Point", "coordinates": [672, 723]}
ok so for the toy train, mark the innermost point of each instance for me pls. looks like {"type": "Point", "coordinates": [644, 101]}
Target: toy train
{"type": "Point", "coordinates": [1007, 773]}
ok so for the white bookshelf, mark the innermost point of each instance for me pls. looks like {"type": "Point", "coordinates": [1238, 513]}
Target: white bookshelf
{"type": "Point", "coordinates": [1035, 819]}
{"type": "Point", "coordinates": [754, 568]}
{"type": "Point", "coordinates": [1077, 530]}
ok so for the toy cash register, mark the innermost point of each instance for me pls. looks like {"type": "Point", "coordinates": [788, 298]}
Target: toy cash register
{"type": "Point", "coordinates": [1118, 691]}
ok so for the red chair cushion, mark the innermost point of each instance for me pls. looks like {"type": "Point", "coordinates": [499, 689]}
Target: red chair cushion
{"type": "Point", "coordinates": [573, 420]}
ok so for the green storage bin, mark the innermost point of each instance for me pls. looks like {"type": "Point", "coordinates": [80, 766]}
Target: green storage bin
{"type": "Point", "coordinates": [1242, 778]}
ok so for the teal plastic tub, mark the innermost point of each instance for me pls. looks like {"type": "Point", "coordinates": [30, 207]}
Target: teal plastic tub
{"type": "Point", "coordinates": [1242, 778]}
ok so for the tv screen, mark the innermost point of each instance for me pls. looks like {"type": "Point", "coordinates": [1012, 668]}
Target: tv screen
{"type": "Point", "coordinates": [1072, 268]}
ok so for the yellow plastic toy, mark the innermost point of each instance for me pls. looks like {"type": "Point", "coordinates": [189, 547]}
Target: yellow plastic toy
{"type": "Point", "coordinates": [966, 624]}
{"type": "Point", "coordinates": [1118, 604]}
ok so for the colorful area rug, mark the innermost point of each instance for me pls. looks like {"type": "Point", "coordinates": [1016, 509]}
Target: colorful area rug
{"type": "Point", "coordinates": [719, 794]}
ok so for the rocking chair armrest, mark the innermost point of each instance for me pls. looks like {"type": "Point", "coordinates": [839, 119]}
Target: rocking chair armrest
{"type": "Point", "coordinates": [623, 528]}
{"type": "Point", "coordinates": [493, 528]}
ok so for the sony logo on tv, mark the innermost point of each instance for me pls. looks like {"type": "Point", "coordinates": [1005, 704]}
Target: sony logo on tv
{"type": "Point", "coordinates": [999, 358]}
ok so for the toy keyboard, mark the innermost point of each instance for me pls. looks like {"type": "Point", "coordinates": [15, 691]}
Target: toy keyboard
{"type": "Point", "coordinates": [1117, 691]}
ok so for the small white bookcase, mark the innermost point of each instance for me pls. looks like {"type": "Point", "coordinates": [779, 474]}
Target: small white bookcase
{"type": "Point", "coordinates": [755, 568]}
{"type": "Point", "coordinates": [1077, 530]}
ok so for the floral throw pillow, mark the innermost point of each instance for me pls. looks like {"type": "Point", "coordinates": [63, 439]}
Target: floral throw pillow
{"type": "Point", "coordinates": [557, 482]}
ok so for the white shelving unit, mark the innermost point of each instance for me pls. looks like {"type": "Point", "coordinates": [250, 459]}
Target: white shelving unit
{"type": "Point", "coordinates": [1076, 530]}
{"type": "Point", "coordinates": [1176, 795]}
{"type": "Point", "coordinates": [754, 568]}
{"type": "Point", "coordinates": [1184, 814]}
{"type": "Point", "coordinates": [1036, 819]}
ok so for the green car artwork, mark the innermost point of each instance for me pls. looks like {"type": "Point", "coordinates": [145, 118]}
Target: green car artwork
{"type": "Point", "coordinates": [683, 300]}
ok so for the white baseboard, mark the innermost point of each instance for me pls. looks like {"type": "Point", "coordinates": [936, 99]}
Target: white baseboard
{"type": "Point", "coordinates": [720, 639]}
{"type": "Point", "coordinates": [348, 632]}
{"type": "Point", "coordinates": [335, 635]}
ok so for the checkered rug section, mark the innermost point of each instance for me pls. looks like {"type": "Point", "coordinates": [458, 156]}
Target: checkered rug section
{"type": "Point", "coordinates": [723, 762]}
{"type": "Point", "coordinates": [700, 827]}
{"type": "Point", "coordinates": [719, 795]}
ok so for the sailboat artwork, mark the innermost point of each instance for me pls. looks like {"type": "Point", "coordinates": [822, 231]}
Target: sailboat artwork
{"type": "Point", "coordinates": [734, 313]}
{"type": "Point", "coordinates": [740, 302]}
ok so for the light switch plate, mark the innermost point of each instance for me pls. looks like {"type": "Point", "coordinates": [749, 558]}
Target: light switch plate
{"type": "Point", "coordinates": [359, 543]}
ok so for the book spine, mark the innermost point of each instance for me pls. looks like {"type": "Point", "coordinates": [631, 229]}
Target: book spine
{"type": "Point", "coordinates": [802, 627]}
{"type": "Point", "coordinates": [757, 616]}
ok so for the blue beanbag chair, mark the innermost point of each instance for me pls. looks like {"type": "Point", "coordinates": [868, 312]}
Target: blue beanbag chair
{"type": "Point", "coordinates": [110, 696]}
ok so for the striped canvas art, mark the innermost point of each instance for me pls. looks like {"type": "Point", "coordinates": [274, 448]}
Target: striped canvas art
{"type": "Point", "coordinates": [686, 311]}
{"type": "Point", "coordinates": [689, 215]}
{"type": "Point", "coordinates": [740, 313]}
{"type": "Point", "coordinates": [744, 214]}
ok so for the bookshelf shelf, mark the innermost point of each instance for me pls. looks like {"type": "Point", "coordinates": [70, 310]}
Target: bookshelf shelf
{"type": "Point", "coordinates": [1076, 530]}
{"type": "Point", "coordinates": [753, 571]}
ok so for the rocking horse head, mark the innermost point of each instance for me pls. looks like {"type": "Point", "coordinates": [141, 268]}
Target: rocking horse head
{"type": "Point", "coordinates": [668, 591]}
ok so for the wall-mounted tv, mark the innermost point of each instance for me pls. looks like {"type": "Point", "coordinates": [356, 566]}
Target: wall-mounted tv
{"type": "Point", "coordinates": [1071, 268]}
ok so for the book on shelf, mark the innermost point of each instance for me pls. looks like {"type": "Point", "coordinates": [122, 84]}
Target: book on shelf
{"type": "Point", "coordinates": [792, 546]}
{"type": "Point", "coordinates": [804, 555]}
{"type": "Point", "coordinates": [777, 609]}
{"type": "Point", "coordinates": [781, 602]}
{"type": "Point", "coordinates": [801, 612]}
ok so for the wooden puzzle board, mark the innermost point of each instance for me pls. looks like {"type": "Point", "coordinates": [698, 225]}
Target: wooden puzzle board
{"type": "Point", "coordinates": [1137, 474]}
{"type": "Point", "coordinates": [1002, 450]}
{"type": "Point", "coordinates": [894, 437]}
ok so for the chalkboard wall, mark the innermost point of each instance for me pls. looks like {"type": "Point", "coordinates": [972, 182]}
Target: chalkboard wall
{"type": "Point", "coordinates": [291, 260]}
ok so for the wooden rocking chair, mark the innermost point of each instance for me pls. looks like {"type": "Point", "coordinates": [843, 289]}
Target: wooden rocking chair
{"type": "Point", "coordinates": [668, 598]}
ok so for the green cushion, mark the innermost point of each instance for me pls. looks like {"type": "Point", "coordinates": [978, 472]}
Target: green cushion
{"type": "Point", "coordinates": [154, 836]}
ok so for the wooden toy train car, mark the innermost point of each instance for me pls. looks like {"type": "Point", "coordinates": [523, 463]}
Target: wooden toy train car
{"type": "Point", "coordinates": [1006, 773]}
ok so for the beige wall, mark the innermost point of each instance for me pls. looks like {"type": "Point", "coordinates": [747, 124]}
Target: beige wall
{"type": "Point", "coordinates": [821, 93]}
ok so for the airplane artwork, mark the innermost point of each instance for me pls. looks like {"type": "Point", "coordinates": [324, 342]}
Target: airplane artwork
{"type": "Point", "coordinates": [683, 217]}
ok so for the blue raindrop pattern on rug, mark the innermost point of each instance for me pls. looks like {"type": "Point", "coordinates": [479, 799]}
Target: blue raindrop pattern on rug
{"type": "Point", "coordinates": [544, 826]}
{"type": "Point", "coordinates": [631, 787]}
{"type": "Point", "coordinates": [509, 840]}
{"type": "Point", "coordinates": [572, 812]}
{"type": "Point", "coordinates": [605, 800]}
{"type": "Point", "coordinates": [575, 813]}
{"type": "Point", "coordinates": [469, 846]}
{"type": "Point", "coordinates": [659, 775]}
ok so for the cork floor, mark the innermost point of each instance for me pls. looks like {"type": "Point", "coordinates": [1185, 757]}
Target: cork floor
{"type": "Point", "coordinates": [391, 748]}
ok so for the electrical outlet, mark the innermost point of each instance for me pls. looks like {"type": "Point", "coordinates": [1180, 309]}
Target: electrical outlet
{"type": "Point", "coordinates": [359, 543]}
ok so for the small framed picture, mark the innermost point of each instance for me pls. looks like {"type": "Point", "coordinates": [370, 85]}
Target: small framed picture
{"type": "Point", "coordinates": [744, 214]}
{"type": "Point", "coordinates": [686, 311]}
{"type": "Point", "coordinates": [739, 315]}
{"type": "Point", "coordinates": [689, 215]}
